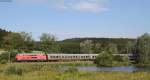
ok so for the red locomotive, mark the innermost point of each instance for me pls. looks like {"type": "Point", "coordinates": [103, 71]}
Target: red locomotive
{"type": "Point", "coordinates": [31, 57]}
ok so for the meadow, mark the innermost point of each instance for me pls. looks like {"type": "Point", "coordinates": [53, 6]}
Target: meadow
{"type": "Point", "coordinates": [28, 71]}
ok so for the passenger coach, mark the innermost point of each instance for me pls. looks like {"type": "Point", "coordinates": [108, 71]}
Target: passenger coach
{"type": "Point", "coordinates": [54, 57]}
{"type": "Point", "coordinates": [71, 56]}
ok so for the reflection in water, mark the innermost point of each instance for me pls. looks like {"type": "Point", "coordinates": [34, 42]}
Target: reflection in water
{"type": "Point", "coordinates": [122, 68]}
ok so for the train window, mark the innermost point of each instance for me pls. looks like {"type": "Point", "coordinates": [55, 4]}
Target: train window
{"type": "Point", "coordinates": [92, 57]}
{"type": "Point", "coordinates": [69, 56]}
{"type": "Point", "coordinates": [52, 56]}
{"type": "Point", "coordinates": [74, 57]}
{"type": "Point", "coordinates": [33, 57]}
{"type": "Point", "coordinates": [82, 57]}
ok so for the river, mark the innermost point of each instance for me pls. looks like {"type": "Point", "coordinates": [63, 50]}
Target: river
{"type": "Point", "coordinates": [110, 69]}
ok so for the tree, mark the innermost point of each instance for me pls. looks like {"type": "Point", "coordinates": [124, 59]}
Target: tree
{"type": "Point", "coordinates": [7, 56]}
{"type": "Point", "coordinates": [48, 43]}
{"type": "Point", "coordinates": [73, 45]}
{"type": "Point", "coordinates": [21, 42]}
{"type": "Point", "coordinates": [104, 59]}
{"type": "Point", "coordinates": [97, 48]}
{"type": "Point", "coordinates": [129, 46]}
{"type": "Point", "coordinates": [27, 43]}
{"type": "Point", "coordinates": [143, 49]}
{"type": "Point", "coordinates": [3, 33]}
{"type": "Point", "coordinates": [112, 49]}
{"type": "Point", "coordinates": [121, 60]}
{"type": "Point", "coordinates": [12, 42]}
{"type": "Point", "coordinates": [86, 46]}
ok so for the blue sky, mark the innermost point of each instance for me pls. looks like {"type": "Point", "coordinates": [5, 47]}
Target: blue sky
{"type": "Point", "coordinates": [77, 18]}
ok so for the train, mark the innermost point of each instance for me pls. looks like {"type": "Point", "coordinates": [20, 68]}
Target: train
{"type": "Point", "coordinates": [62, 57]}
{"type": "Point", "coordinates": [54, 57]}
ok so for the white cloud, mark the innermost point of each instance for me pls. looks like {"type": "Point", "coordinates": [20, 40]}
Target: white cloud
{"type": "Point", "coordinates": [87, 5]}
{"type": "Point", "coordinates": [72, 5]}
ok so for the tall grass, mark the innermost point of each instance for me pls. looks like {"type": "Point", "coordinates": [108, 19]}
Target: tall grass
{"type": "Point", "coordinates": [59, 72]}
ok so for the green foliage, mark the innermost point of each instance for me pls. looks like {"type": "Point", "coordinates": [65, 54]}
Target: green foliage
{"type": "Point", "coordinates": [143, 49]}
{"type": "Point", "coordinates": [3, 61]}
{"type": "Point", "coordinates": [72, 70]}
{"type": "Point", "coordinates": [97, 48]}
{"type": "Point", "coordinates": [12, 69]}
{"type": "Point", "coordinates": [107, 59]}
{"type": "Point", "coordinates": [104, 59]}
{"type": "Point", "coordinates": [8, 56]}
{"type": "Point", "coordinates": [12, 41]}
{"type": "Point", "coordinates": [27, 44]}
{"type": "Point", "coordinates": [73, 45]}
{"type": "Point", "coordinates": [48, 43]}
{"type": "Point", "coordinates": [118, 58]}
{"type": "Point", "coordinates": [86, 46]}
{"type": "Point", "coordinates": [70, 47]}
{"type": "Point", "coordinates": [22, 42]}
{"type": "Point", "coordinates": [51, 72]}
{"type": "Point", "coordinates": [129, 47]}
{"type": "Point", "coordinates": [112, 49]}
{"type": "Point", "coordinates": [3, 33]}
{"type": "Point", "coordinates": [121, 61]}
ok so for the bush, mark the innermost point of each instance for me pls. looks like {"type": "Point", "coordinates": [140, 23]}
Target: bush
{"type": "Point", "coordinates": [121, 61]}
{"type": "Point", "coordinates": [13, 70]}
{"type": "Point", "coordinates": [5, 56]}
{"type": "Point", "coordinates": [104, 59]}
{"type": "Point", "coordinates": [118, 58]}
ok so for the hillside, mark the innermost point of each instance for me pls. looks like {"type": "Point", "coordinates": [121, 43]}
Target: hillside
{"type": "Point", "coordinates": [73, 45]}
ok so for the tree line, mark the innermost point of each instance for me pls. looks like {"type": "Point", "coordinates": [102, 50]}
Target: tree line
{"type": "Point", "coordinates": [24, 42]}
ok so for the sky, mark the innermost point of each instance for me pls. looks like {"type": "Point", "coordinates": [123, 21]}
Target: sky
{"type": "Point", "coordinates": [76, 18]}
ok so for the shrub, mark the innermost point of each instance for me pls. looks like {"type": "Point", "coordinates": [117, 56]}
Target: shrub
{"type": "Point", "coordinates": [104, 59]}
{"type": "Point", "coordinates": [121, 61]}
{"type": "Point", "coordinates": [12, 69]}
{"type": "Point", "coordinates": [5, 56]}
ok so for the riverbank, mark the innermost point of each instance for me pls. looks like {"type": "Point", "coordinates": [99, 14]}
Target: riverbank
{"type": "Point", "coordinates": [57, 75]}
{"type": "Point", "coordinates": [27, 71]}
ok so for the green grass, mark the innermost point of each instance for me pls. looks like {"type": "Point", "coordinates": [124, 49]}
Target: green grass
{"type": "Point", "coordinates": [26, 71]}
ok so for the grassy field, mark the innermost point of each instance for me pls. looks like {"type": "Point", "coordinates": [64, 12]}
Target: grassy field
{"type": "Point", "coordinates": [26, 71]}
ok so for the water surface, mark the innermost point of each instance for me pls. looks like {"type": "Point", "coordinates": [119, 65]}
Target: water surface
{"type": "Point", "coordinates": [110, 69]}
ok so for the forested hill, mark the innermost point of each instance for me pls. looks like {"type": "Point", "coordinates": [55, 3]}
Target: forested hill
{"type": "Point", "coordinates": [101, 40]}
{"type": "Point", "coordinates": [73, 45]}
